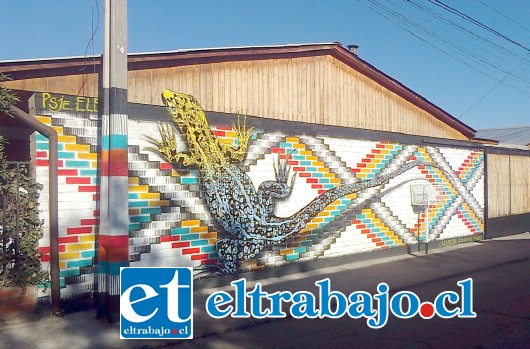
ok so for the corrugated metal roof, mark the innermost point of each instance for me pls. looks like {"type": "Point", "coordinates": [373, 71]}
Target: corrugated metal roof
{"type": "Point", "coordinates": [510, 135]}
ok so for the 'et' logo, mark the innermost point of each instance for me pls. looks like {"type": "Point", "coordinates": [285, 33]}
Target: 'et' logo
{"type": "Point", "coordinates": [156, 303]}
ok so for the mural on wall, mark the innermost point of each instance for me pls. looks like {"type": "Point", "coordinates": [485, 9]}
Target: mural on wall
{"type": "Point", "coordinates": [171, 220]}
{"type": "Point", "coordinates": [246, 214]}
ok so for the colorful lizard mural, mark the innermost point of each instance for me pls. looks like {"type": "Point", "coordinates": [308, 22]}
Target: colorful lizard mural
{"type": "Point", "coordinates": [244, 212]}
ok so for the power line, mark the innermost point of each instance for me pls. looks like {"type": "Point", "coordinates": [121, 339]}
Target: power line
{"type": "Point", "coordinates": [447, 45]}
{"type": "Point", "coordinates": [503, 15]}
{"type": "Point", "coordinates": [477, 23]}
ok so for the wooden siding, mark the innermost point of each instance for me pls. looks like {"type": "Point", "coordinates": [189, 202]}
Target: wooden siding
{"type": "Point", "coordinates": [318, 89]}
{"type": "Point", "coordinates": [508, 185]}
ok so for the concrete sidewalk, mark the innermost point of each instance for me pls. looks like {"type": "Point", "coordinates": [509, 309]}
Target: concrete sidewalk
{"type": "Point", "coordinates": [82, 330]}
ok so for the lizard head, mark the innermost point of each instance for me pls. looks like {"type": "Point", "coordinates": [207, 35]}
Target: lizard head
{"type": "Point", "coordinates": [184, 109]}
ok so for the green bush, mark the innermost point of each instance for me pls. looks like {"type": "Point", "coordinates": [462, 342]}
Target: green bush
{"type": "Point", "coordinates": [20, 195]}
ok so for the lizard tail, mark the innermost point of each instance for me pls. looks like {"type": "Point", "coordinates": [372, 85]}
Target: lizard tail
{"type": "Point", "coordinates": [297, 221]}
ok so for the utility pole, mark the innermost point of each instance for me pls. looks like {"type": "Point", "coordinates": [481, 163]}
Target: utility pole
{"type": "Point", "coordinates": [113, 240]}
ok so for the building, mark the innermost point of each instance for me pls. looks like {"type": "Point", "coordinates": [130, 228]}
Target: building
{"type": "Point", "coordinates": [335, 118]}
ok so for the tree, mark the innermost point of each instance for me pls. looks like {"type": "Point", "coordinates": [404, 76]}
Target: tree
{"type": "Point", "coordinates": [7, 97]}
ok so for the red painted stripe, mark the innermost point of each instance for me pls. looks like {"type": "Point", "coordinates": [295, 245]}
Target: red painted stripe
{"type": "Point", "coordinates": [365, 231]}
{"type": "Point", "coordinates": [119, 161]}
{"type": "Point", "coordinates": [219, 133]}
{"type": "Point", "coordinates": [45, 258]}
{"type": "Point", "coordinates": [223, 127]}
{"type": "Point", "coordinates": [68, 239]}
{"type": "Point", "coordinates": [198, 257]}
{"type": "Point", "coordinates": [321, 191]}
{"type": "Point", "coordinates": [78, 230]}
{"type": "Point", "coordinates": [42, 162]}
{"type": "Point", "coordinates": [380, 244]}
{"type": "Point", "coordinates": [165, 166]}
{"type": "Point", "coordinates": [87, 188]}
{"type": "Point", "coordinates": [316, 186]}
{"type": "Point", "coordinates": [355, 170]}
{"type": "Point", "coordinates": [380, 146]}
{"type": "Point", "coordinates": [292, 162]}
{"type": "Point", "coordinates": [180, 244]}
{"type": "Point", "coordinates": [44, 250]}
{"type": "Point", "coordinates": [42, 154]}
{"type": "Point", "coordinates": [304, 174]}
{"type": "Point", "coordinates": [209, 261]}
{"type": "Point", "coordinates": [78, 180]}
{"type": "Point", "coordinates": [366, 160]}
{"type": "Point", "coordinates": [361, 165]}
{"type": "Point", "coordinates": [312, 180]}
{"type": "Point", "coordinates": [191, 250]}
{"type": "Point", "coordinates": [369, 236]}
{"type": "Point", "coordinates": [67, 172]}
{"type": "Point", "coordinates": [167, 238]}
{"type": "Point", "coordinates": [89, 221]}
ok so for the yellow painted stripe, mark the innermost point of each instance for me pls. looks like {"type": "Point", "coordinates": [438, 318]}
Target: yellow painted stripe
{"type": "Point", "coordinates": [86, 156]}
{"type": "Point", "coordinates": [285, 251]}
{"type": "Point", "coordinates": [58, 129]}
{"type": "Point", "coordinates": [68, 255]}
{"type": "Point", "coordinates": [200, 229]}
{"type": "Point", "coordinates": [139, 188]}
{"type": "Point", "coordinates": [44, 119]}
{"type": "Point", "coordinates": [191, 223]}
{"type": "Point", "coordinates": [80, 247]}
{"type": "Point", "coordinates": [66, 139]}
{"type": "Point", "coordinates": [87, 238]}
{"type": "Point", "coordinates": [134, 180]}
{"type": "Point", "coordinates": [292, 139]}
{"type": "Point", "coordinates": [298, 146]}
{"type": "Point", "coordinates": [77, 147]}
{"type": "Point", "coordinates": [159, 203]}
{"type": "Point", "coordinates": [149, 195]}
{"type": "Point", "coordinates": [212, 235]}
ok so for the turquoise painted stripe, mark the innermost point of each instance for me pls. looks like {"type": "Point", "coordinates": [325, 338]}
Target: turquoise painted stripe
{"type": "Point", "coordinates": [189, 237]}
{"type": "Point", "coordinates": [134, 226]}
{"type": "Point", "coordinates": [62, 283]}
{"type": "Point", "coordinates": [179, 231]}
{"type": "Point", "coordinates": [88, 173]}
{"type": "Point", "coordinates": [111, 268]}
{"type": "Point", "coordinates": [292, 257]}
{"type": "Point", "coordinates": [285, 145]}
{"type": "Point", "coordinates": [328, 186]}
{"type": "Point", "coordinates": [141, 203]}
{"type": "Point", "coordinates": [77, 163]}
{"type": "Point", "coordinates": [306, 163]}
{"type": "Point", "coordinates": [69, 272]}
{"type": "Point", "coordinates": [328, 219]}
{"type": "Point", "coordinates": [138, 219]}
{"type": "Point", "coordinates": [212, 255]}
{"type": "Point", "coordinates": [301, 249]}
{"type": "Point", "coordinates": [306, 243]}
{"type": "Point", "coordinates": [66, 155]}
{"type": "Point", "coordinates": [199, 243]}
{"type": "Point", "coordinates": [43, 146]}
{"type": "Point", "coordinates": [188, 180]}
{"type": "Point", "coordinates": [150, 210]}
{"type": "Point", "coordinates": [311, 169]}
{"type": "Point", "coordinates": [319, 175]}
{"type": "Point", "coordinates": [207, 249]}
{"type": "Point", "coordinates": [118, 141]}
{"type": "Point", "coordinates": [88, 254]}
{"type": "Point", "coordinates": [79, 263]}
{"type": "Point", "coordinates": [133, 196]}
{"type": "Point", "coordinates": [341, 207]}
{"type": "Point", "coordinates": [298, 157]}
{"type": "Point", "coordinates": [40, 138]}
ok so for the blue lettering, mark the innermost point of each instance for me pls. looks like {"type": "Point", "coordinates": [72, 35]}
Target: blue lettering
{"type": "Point", "coordinates": [214, 301]}
{"type": "Point", "coordinates": [396, 304]}
{"type": "Point", "coordinates": [303, 305]}
{"type": "Point", "coordinates": [325, 300]}
{"type": "Point", "coordinates": [382, 309]}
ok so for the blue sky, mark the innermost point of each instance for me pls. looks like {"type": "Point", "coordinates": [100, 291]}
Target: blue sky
{"type": "Point", "coordinates": [468, 71]}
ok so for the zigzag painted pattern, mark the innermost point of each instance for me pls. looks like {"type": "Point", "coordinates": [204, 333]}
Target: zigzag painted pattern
{"type": "Point", "coordinates": [170, 223]}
